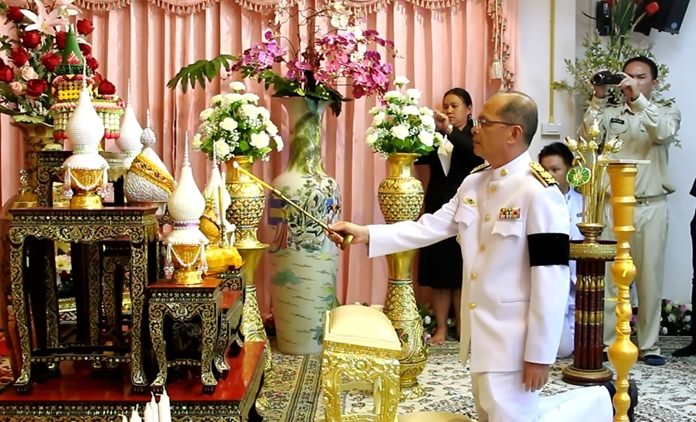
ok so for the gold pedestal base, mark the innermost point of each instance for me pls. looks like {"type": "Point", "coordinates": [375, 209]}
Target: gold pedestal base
{"type": "Point", "coordinates": [187, 277]}
{"type": "Point", "coordinates": [252, 325]}
{"type": "Point", "coordinates": [26, 200]}
{"type": "Point", "coordinates": [186, 266]}
{"type": "Point", "coordinates": [408, 382]}
{"type": "Point", "coordinates": [86, 201]}
{"type": "Point", "coordinates": [401, 309]}
{"type": "Point", "coordinates": [578, 376]}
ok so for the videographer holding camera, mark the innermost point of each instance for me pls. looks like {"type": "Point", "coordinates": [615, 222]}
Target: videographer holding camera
{"type": "Point", "coordinates": [647, 129]}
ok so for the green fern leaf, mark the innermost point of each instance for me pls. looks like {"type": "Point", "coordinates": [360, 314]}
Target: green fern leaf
{"type": "Point", "coordinates": [201, 71]}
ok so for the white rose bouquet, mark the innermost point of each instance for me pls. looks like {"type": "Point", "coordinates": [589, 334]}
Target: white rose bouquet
{"type": "Point", "coordinates": [234, 125]}
{"type": "Point", "coordinates": [400, 126]}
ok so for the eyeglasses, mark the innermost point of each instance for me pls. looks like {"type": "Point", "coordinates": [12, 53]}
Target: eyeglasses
{"type": "Point", "coordinates": [479, 123]}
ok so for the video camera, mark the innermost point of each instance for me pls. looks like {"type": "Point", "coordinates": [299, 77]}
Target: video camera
{"type": "Point", "coordinates": [606, 77]}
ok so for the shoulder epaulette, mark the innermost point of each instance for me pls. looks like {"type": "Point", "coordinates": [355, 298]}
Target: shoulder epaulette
{"type": "Point", "coordinates": [541, 174]}
{"type": "Point", "coordinates": [480, 168]}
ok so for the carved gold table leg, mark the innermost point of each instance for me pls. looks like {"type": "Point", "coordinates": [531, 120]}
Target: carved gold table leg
{"type": "Point", "coordinates": [139, 279]}
{"type": "Point", "coordinates": [209, 321]}
{"type": "Point", "coordinates": [252, 324]}
{"type": "Point", "coordinates": [623, 353]}
{"type": "Point", "coordinates": [591, 255]}
{"type": "Point", "coordinates": [23, 382]}
{"type": "Point", "coordinates": [159, 344]}
{"type": "Point", "coordinates": [401, 309]}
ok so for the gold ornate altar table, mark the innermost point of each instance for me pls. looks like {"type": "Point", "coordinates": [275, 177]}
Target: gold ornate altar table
{"type": "Point", "coordinates": [31, 226]}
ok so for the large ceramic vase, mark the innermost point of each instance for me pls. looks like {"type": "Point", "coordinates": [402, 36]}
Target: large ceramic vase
{"type": "Point", "coordinates": [400, 198]}
{"type": "Point", "coordinates": [35, 137]}
{"type": "Point", "coordinates": [304, 262]}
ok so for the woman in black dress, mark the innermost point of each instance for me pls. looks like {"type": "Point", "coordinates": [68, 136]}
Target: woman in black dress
{"type": "Point", "coordinates": [441, 264]}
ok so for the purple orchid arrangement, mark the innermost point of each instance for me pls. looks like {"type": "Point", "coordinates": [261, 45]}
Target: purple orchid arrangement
{"type": "Point", "coordinates": [346, 55]}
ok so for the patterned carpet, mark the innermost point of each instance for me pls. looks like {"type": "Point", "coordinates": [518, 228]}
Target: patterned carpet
{"type": "Point", "coordinates": [666, 393]}
{"type": "Point", "coordinates": [292, 394]}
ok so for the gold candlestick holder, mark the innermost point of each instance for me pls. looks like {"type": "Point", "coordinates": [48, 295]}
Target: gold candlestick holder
{"type": "Point", "coordinates": [623, 353]}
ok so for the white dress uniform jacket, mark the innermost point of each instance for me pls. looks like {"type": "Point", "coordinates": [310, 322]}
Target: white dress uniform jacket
{"type": "Point", "coordinates": [512, 311]}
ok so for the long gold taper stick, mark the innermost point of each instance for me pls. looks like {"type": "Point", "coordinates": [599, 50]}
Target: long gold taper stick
{"type": "Point", "coordinates": [347, 238]}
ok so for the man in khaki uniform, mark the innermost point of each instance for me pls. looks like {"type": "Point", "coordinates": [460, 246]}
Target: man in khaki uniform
{"type": "Point", "coordinates": [647, 129]}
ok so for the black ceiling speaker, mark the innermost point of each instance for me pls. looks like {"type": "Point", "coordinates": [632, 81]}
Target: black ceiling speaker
{"type": "Point", "coordinates": [668, 19]}
{"type": "Point", "coordinates": [602, 18]}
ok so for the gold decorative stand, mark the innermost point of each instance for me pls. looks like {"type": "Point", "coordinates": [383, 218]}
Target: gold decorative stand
{"type": "Point", "coordinates": [183, 302]}
{"type": "Point", "coordinates": [623, 353]}
{"type": "Point", "coordinates": [252, 325]}
{"type": "Point", "coordinates": [400, 199]}
{"type": "Point", "coordinates": [36, 136]}
{"type": "Point", "coordinates": [591, 255]}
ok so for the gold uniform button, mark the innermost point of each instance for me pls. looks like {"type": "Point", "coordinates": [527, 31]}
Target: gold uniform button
{"type": "Point", "coordinates": [482, 248]}
{"type": "Point", "coordinates": [486, 217]}
{"type": "Point", "coordinates": [472, 305]}
{"type": "Point", "coordinates": [474, 276]}
{"type": "Point", "coordinates": [494, 188]}
{"type": "Point", "coordinates": [503, 172]}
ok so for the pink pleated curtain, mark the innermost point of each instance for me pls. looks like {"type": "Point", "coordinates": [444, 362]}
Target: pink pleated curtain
{"type": "Point", "coordinates": [440, 45]}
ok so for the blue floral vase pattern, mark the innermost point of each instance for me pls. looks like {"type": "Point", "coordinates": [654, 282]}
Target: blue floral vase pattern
{"type": "Point", "coordinates": [304, 262]}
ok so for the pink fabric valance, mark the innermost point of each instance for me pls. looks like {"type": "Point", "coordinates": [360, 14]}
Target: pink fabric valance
{"type": "Point", "coordinates": [185, 7]}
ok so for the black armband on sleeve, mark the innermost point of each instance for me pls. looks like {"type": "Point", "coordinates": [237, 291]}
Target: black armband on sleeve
{"type": "Point", "coordinates": [548, 249]}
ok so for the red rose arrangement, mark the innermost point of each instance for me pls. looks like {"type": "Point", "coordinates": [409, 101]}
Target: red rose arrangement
{"type": "Point", "coordinates": [31, 51]}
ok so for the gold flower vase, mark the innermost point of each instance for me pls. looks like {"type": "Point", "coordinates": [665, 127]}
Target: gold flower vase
{"type": "Point", "coordinates": [185, 260]}
{"type": "Point", "coordinates": [400, 198]}
{"type": "Point", "coordinates": [84, 184]}
{"type": "Point", "coordinates": [248, 202]}
{"type": "Point", "coordinates": [591, 256]}
{"type": "Point", "coordinates": [36, 137]}
{"type": "Point", "coordinates": [623, 353]}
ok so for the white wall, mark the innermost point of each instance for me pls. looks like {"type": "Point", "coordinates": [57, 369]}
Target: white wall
{"type": "Point", "coordinates": [674, 50]}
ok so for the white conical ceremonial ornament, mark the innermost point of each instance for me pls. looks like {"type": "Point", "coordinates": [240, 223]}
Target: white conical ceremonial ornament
{"type": "Point", "coordinates": [186, 205]}
{"type": "Point", "coordinates": [147, 137]}
{"type": "Point", "coordinates": [148, 179]}
{"type": "Point", "coordinates": [164, 408]}
{"type": "Point", "coordinates": [131, 131]}
{"type": "Point", "coordinates": [84, 130]}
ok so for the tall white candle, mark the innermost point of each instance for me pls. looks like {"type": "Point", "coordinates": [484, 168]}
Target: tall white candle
{"type": "Point", "coordinates": [165, 414]}
{"type": "Point", "coordinates": [148, 413]}
{"type": "Point", "coordinates": [135, 417]}
{"type": "Point", "coordinates": [153, 408]}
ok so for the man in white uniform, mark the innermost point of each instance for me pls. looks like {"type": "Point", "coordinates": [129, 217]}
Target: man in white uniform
{"type": "Point", "coordinates": [515, 265]}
